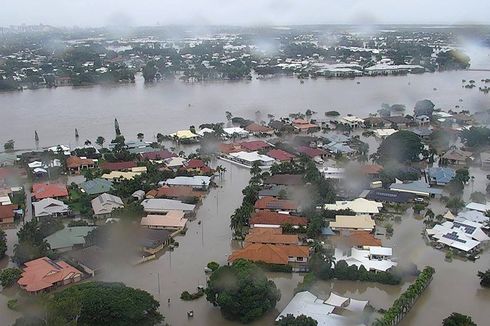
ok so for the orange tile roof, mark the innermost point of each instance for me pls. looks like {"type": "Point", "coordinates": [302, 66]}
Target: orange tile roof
{"type": "Point", "coordinates": [273, 218]}
{"type": "Point", "coordinates": [358, 239]}
{"type": "Point", "coordinates": [43, 273]}
{"type": "Point", "coordinates": [45, 190]}
{"type": "Point", "coordinates": [271, 236]}
{"type": "Point", "coordinates": [75, 162]}
{"type": "Point", "coordinates": [7, 211]}
{"type": "Point", "coordinates": [229, 148]}
{"type": "Point", "coordinates": [269, 253]}
{"type": "Point", "coordinates": [255, 127]}
{"type": "Point", "coordinates": [371, 169]}
{"type": "Point", "coordinates": [174, 192]}
{"type": "Point", "coordinates": [273, 203]}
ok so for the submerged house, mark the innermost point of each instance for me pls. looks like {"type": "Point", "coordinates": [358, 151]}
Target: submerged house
{"type": "Point", "coordinates": [440, 176]}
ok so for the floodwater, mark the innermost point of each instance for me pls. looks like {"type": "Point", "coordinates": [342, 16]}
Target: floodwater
{"type": "Point", "coordinates": [171, 105]}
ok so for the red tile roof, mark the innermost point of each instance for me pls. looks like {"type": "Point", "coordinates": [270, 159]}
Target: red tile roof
{"type": "Point", "coordinates": [44, 190]}
{"type": "Point", "coordinates": [175, 192]}
{"type": "Point", "coordinates": [271, 236]}
{"type": "Point", "coordinates": [229, 148]}
{"type": "Point", "coordinates": [256, 128]}
{"type": "Point", "coordinates": [7, 211]}
{"type": "Point", "coordinates": [195, 164]}
{"type": "Point", "coordinates": [74, 162]}
{"type": "Point", "coordinates": [359, 239]}
{"type": "Point", "coordinates": [43, 273]}
{"type": "Point", "coordinates": [117, 166]}
{"type": "Point", "coordinates": [254, 145]}
{"type": "Point", "coordinates": [280, 155]}
{"type": "Point", "coordinates": [311, 152]}
{"type": "Point", "coordinates": [269, 253]}
{"type": "Point", "coordinates": [272, 203]}
{"type": "Point", "coordinates": [273, 218]}
{"type": "Point", "coordinates": [371, 169]}
{"type": "Point", "coordinates": [157, 155]}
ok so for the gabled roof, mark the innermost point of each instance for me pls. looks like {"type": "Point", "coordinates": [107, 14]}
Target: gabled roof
{"type": "Point", "coordinates": [272, 203]}
{"type": "Point", "coordinates": [43, 273]}
{"type": "Point", "coordinates": [359, 222]}
{"type": "Point", "coordinates": [273, 218]}
{"type": "Point", "coordinates": [44, 190]}
{"type": "Point", "coordinates": [268, 253]}
{"type": "Point", "coordinates": [106, 203]}
{"type": "Point", "coordinates": [311, 152]}
{"type": "Point", "coordinates": [358, 206]}
{"type": "Point", "coordinates": [157, 155]}
{"type": "Point", "coordinates": [271, 236]}
{"type": "Point", "coordinates": [7, 211]}
{"type": "Point", "coordinates": [280, 155]}
{"type": "Point", "coordinates": [49, 206]}
{"type": "Point", "coordinates": [173, 219]}
{"type": "Point", "coordinates": [96, 186]}
{"type": "Point", "coordinates": [195, 164]}
{"type": "Point", "coordinates": [75, 162]}
{"type": "Point", "coordinates": [254, 145]}
{"type": "Point", "coordinates": [68, 237]}
{"type": "Point", "coordinates": [116, 166]}
{"type": "Point", "coordinates": [174, 192]}
{"type": "Point", "coordinates": [455, 154]}
{"type": "Point", "coordinates": [256, 128]}
{"type": "Point", "coordinates": [162, 205]}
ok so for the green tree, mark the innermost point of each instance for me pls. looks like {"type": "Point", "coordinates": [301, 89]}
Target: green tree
{"type": "Point", "coordinates": [149, 71]}
{"type": "Point", "coordinates": [462, 175]}
{"type": "Point", "coordinates": [99, 303]}
{"type": "Point", "coordinates": [3, 243]}
{"type": "Point", "coordinates": [100, 141]}
{"type": "Point", "coordinates": [31, 243]}
{"type": "Point", "coordinates": [403, 146]}
{"type": "Point", "coordinates": [9, 145]}
{"type": "Point", "coordinates": [242, 291]}
{"type": "Point", "coordinates": [300, 320]}
{"type": "Point", "coordinates": [475, 136]}
{"type": "Point", "coordinates": [457, 319]}
{"type": "Point", "coordinates": [484, 278]}
{"type": "Point", "coordinates": [9, 276]}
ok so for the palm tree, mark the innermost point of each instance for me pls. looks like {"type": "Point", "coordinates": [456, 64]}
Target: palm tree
{"type": "Point", "coordinates": [88, 143]}
{"type": "Point", "coordinates": [140, 136]}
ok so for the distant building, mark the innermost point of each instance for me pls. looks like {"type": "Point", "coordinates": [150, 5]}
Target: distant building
{"type": "Point", "coordinates": [76, 164]}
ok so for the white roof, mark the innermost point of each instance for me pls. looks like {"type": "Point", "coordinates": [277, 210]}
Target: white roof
{"type": "Point", "coordinates": [477, 207]}
{"type": "Point", "coordinates": [252, 157]}
{"type": "Point", "coordinates": [175, 162]}
{"type": "Point", "coordinates": [106, 203]}
{"type": "Point", "coordinates": [380, 251]}
{"type": "Point", "coordinates": [358, 206]}
{"type": "Point", "coordinates": [336, 300]}
{"type": "Point", "coordinates": [356, 305]}
{"type": "Point", "coordinates": [173, 219]}
{"type": "Point", "coordinates": [473, 216]}
{"type": "Point", "coordinates": [49, 206]}
{"type": "Point", "coordinates": [162, 205]}
{"type": "Point", "coordinates": [360, 257]}
{"type": "Point", "coordinates": [205, 131]}
{"type": "Point", "coordinates": [235, 130]}
{"type": "Point", "coordinates": [460, 234]}
{"type": "Point", "coordinates": [384, 132]}
{"type": "Point", "coordinates": [195, 181]}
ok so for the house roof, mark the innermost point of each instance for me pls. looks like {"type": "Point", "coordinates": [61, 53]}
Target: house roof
{"type": "Point", "coordinates": [152, 238]}
{"type": "Point", "coordinates": [162, 205]}
{"type": "Point", "coordinates": [274, 218]}
{"type": "Point", "coordinates": [174, 192]}
{"type": "Point", "coordinates": [371, 169]}
{"type": "Point", "coordinates": [75, 162]}
{"type": "Point", "coordinates": [195, 164]}
{"type": "Point", "coordinates": [361, 238]}
{"type": "Point", "coordinates": [157, 155]}
{"type": "Point", "coordinates": [229, 148]}
{"type": "Point", "coordinates": [92, 257]}
{"type": "Point", "coordinates": [391, 196]}
{"type": "Point", "coordinates": [363, 222]}
{"type": "Point", "coordinates": [44, 190]}
{"type": "Point", "coordinates": [311, 152]}
{"type": "Point", "coordinates": [270, 235]}
{"type": "Point", "coordinates": [43, 273]}
{"type": "Point", "coordinates": [49, 206]}
{"type": "Point", "coordinates": [184, 134]}
{"type": "Point", "coordinates": [272, 203]}
{"type": "Point", "coordinates": [120, 175]}
{"type": "Point", "coordinates": [269, 253]}
{"type": "Point", "coordinates": [455, 154]}
{"type": "Point", "coordinates": [173, 219]}
{"type": "Point", "coordinates": [441, 175]}
{"type": "Point", "coordinates": [358, 206]}
{"type": "Point", "coordinates": [116, 166]}
{"type": "Point", "coordinates": [254, 145]}
{"type": "Point", "coordinates": [280, 155]}
{"type": "Point", "coordinates": [96, 186]}
{"type": "Point", "coordinates": [273, 191]}
{"type": "Point", "coordinates": [285, 179]}
{"type": "Point", "coordinates": [256, 128]}
{"type": "Point", "coordinates": [106, 203]}
{"type": "Point", "coordinates": [7, 211]}
{"type": "Point", "coordinates": [68, 237]}
{"type": "Point", "coordinates": [194, 181]}
{"type": "Point", "coordinates": [415, 187]}
{"type": "Point", "coordinates": [251, 157]}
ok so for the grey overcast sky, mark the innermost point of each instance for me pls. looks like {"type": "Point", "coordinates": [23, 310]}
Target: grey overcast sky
{"type": "Point", "coordinates": [242, 12]}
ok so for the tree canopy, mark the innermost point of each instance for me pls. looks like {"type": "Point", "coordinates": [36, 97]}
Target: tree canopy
{"type": "Point", "coordinates": [424, 107]}
{"type": "Point", "coordinates": [475, 136]}
{"type": "Point", "coordinates": [99, 303]}
{"type": "Point", "coordinates": [300, 320]}
{"type": "Point", "coordinates": [457, 319]}
{"type": "Point", "coordinates": [31, 243]}
{"type": "Point", "coordinates": [3, 243]}
{"type": "Point", "coordinates": [403, 146]}
{"type": "Point", "coordinates": [242, 291]}
{"type": "Point", "coordinates": [484, 278]}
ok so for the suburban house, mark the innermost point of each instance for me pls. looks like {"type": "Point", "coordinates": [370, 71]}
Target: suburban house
{"type": "Point", "coordinates": [398, 121]}
{"type": "Point", "coordinates": [175, 163]}
{"type": "Point", "coordinates": [44, 274]}
{"type": "Point", "coordinates": [7, 214]}
{"type": "Point", "coordinates": [440, 176]}
{"type": "Point", "coordinates": [256, 129]}
{"type": "Point", "coordinates": [373, 259]}
{"type": "Point", "coordinates": [197, 182]}
{"type": "Point", "coordinates": [285, 180]}
{"type": "Point", "coordinates": [333, 173]}
{"type": "Point", "coordinates": [91, 259]}
{"type": "Point", "coordinates": [360, 206]}
{"type": "Point", "coordinates": [50, 207]}
{"type": "Point", "coordinates": [356, 239]}
{"type": "Point", "coordinates": [292, 255]}
{"type": "Point", "coordinates": [197, 166]}
{"type": "Point", "coordinates": [185, 135]}
{"type": "Point", "coordinates": [273, 191]}
{"type": "Point", "coordinates": [304, 126]}
{"type": "Point", "coordinates": [96, 186]}
{"type": "Point", "coordinates": [271, 236]}
{"type": "Point", "coordinates": [104, 204]}
{"type": "Point", "coordinates": [76, 164]}
{"type": "Point", "coordinates": [267, 219]}
{"type": "Point", "coordinates": [49, 190]}
{"type": "Point", "coordinates": [172, 220]}
{"type": "Point", "coordinates": [235, 132]}
{"type": "Point", "coordinates": [314, 153]}
{"type": "Point", "coordinates": [175, 192]}
{"type": "Point", "coordinates": [371, 170]}
{"type": "Point", "coordinates": [69, 238]}
{"type": "Point", "coordinates": [255, 145]}
{"type": "Point", "coordinates": [383, 133]}
{"type": "Point", "coordinates": [456, 156]}
{"type": "Point", "coordinates": [163, 206]}
{"type": "Point", "coordinates": [118, 166]}
{"type": "Point", "coordinates": [460, 234]}
{"type": "Point", "coordinates": [249, 158]}
{"type": "Point", "coordinates": [120, 175]}
{"type": "Point", "coordinates": [275, 204]}
{"type": "Point", "coordinates": [160, 155]}
{"type": "Point", "coordinates": [356, 223]}
{"type": "Point", "coordinates": [326, 312]}
{"type": "Point", "coordinates": [418, 188]}
{"type": "Point", "coordinates": [389, 196]}
{"type": "Point", "coordinates": [280, 155]}
{"type": "Point", "coordinates": [352, 121]}
{"type": "Point", "coordinates": [153, 241]}
{"type": "Point", "coordinates": [422, 120]}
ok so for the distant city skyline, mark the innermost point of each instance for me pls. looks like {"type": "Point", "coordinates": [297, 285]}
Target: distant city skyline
{"type": "Point", "coordinates": [85, 13]}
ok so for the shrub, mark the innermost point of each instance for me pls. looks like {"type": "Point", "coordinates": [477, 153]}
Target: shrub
{"type": "Point", "coordinates": [212, 265]}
